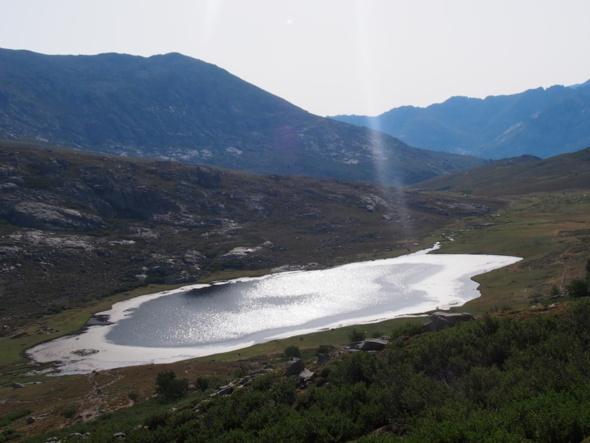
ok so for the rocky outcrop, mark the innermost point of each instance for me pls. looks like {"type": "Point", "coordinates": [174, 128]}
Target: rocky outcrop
{"type": "Point", "coordinates": [442, 320]}
{"type": "Point", "coordinates": [295, 366]}
{"type": "Point", "coordinates": [43, 216]}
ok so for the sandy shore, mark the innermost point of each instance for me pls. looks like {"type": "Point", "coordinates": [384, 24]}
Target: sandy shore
{"type": "Point", "coordinates": [442, 281]}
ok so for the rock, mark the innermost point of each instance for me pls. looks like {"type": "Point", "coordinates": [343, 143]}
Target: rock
{"type": "Point", "coordinates": [17, 386]}
{"type": "Point", "coordinates": [224, 390]}
{"type": "Point", "coordinates": [295, 366]}
{"type": "Point", "coordinates": [442, 320]}
{"type": "Point", "coordinates": [43, 216]}
{"type": "Point", "coordinates": [323, 359]}
{"type": "Point", "coordinates": [119, 435]}
{"type": "Point", "coordinates": [306, 375]}
{"type": "Point", "coordinates": [373, 344]}
{"type": "Point", "coordinates": [75, 436]}
{"type": "Point", "coordinates": [30, 420]}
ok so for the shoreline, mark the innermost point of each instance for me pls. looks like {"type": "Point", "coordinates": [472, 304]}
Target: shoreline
{"type": "Point", "coordinates": [450, 286]}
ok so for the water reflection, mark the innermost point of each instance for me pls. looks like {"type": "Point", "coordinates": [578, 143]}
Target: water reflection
{"type": "Point", "coordinates": [242, 309]}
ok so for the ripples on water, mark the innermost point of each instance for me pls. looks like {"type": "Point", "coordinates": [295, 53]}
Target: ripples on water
{"type": "Point", "coordinates": [254, 307]}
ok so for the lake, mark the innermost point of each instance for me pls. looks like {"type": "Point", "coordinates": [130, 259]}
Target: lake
{"type": "Point", "coordinates": [201, 320]}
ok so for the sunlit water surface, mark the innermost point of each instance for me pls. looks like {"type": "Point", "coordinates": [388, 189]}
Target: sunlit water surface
{"type": "Point", "coordinates": [202, 320]}
{"type": "Point", "coordinates": [268, 306]}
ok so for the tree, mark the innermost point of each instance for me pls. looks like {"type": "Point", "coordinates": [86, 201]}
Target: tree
{"type": "Point", "coordinates": [169, 388]}
{"type": "Point", "coordinates": [292, 351]}
{"type": "Point", "coordinates": [578, 287]}
{"type": "Point", "coordinates": [357, 335]}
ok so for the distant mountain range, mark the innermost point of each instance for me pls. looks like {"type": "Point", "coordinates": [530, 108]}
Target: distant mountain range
{"type": "Point", "coordinates": [175, 107]}
{"type": "Point", "coordinates": [540, 122]}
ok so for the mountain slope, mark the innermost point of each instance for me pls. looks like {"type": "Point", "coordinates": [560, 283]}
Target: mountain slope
{"type": "Point", "coordinates": [172, 106]}
{"type": "Point", "coordinates": [517, 176]}
{"type": "Point", "coordinates": [541, 122]}
{"type": "Point", "coordinates": [78, 225]}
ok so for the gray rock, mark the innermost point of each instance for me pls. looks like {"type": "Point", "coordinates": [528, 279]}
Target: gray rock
{"type": "Point", "coordinates": [306, 375]}
{"type": "Point", "coordinates": [442, 320]}
{"type": "Point", "coordinates": [224, 390]}
{"type": "Point", "coordinates": [373, 344]}
{"type": "Point", "coordinates": [295, 366]}
{"type": "Point", "coordinates": [323, 359]}
{"type": "Point", "coordinates": [43, 216]}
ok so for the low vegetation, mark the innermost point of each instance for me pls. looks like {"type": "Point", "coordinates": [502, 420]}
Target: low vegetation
{"type": "Point", "coordinates": [500, 378]}
{"type": "Point", "coordinates": [482, 378]}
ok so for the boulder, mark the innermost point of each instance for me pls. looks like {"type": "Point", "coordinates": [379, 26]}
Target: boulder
{"type": "Point", "coordinates": [323, 359]}
{"type": "Point", "coordinates": [306, 375]}
{"type": "Point", "coordinates": [442, 320]}
{"type": "Point", "coordinates": [373, 344]}
{"type": "Point", "coordinates": [295, 366]}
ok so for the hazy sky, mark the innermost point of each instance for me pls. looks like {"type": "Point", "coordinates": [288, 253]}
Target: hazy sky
{"type": "Point", "coordinates": [331, 56]}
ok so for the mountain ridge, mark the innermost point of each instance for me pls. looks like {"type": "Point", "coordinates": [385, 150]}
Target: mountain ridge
{"type": "Point", "coordinates": [174, 107]}
{"type": "Point", "coordinates": [542, 122]}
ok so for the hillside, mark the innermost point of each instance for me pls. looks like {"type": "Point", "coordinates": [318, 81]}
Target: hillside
{"type": "Point", "coordinates": [518, 176]}
{"type": "Point", "coordinates": [76, 227]}
{"type": "Point", "coordinates": [540, 122]}
{"type": "Point", "coordinates": [79, 226]}
{"type": "Point", "coordinates": [178, 108]}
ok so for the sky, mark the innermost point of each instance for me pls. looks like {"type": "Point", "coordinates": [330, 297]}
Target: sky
{"type": "Point", "coordinates": [331, 57]}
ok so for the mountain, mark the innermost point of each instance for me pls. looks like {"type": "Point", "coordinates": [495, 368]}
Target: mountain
{"type": "Point", "coordinates": [75, 224]}
{"type": "Point", "coordinates": [516, 176]}
{"type": "Point", "coordinates": [175, 107]}
{"type": "Point", "coordinates": [540, 122]}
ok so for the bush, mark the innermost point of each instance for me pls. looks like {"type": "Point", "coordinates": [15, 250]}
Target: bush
{"type": "Point", "coordinates": [202, 383]}
{"type": "Point", "coordinates": [292, 351]}
{"type": "Point", "coordinates": [577, 288]}
{"type": "Point", "coordinates": [357, 335]}
{"type": "Point", "coordinates": [325, 349]}
{"type": "Point", "coordinates": [70, 411]}
{"type": "Point", "coordinates": [169, 388]}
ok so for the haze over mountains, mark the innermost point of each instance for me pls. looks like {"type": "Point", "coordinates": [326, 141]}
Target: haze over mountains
{"type": "Point", "coordinates": [540, 122]}
{"type": "Point", "coordinates": [175, 107]}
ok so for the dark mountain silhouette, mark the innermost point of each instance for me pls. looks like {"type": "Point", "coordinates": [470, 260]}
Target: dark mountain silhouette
{"type": "Point", "coordinates": [175, 107]}
{"type": "Point", "coordinates": [540, 122]}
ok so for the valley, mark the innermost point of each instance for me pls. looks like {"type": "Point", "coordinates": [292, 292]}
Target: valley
{"type": "Point", "coordinates": [122, 176]}
{"type": "Point", "coordinates": [549, 229]}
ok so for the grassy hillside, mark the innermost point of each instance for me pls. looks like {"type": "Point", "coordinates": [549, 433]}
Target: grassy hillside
{"type": "Point", "coordinates": [550, 230]}
{"type": "Point", "coordinates": [517, 176]}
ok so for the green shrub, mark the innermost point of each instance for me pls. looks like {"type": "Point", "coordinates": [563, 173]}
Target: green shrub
{"type": "Point", "coordinates": [357, 335]}
{"type": "Point", "coordinates": [70, 411]}
{"type": "Point", "coordinates": [324, 349]}
{"type": "Point", "coordinates": [578, 287]}
{"type": "Point", "coordinates": [202, 383]}
{"type": "Point", "coordinates": [292, 352]}
{"type": "Point", "coordinates": [169, 388]}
